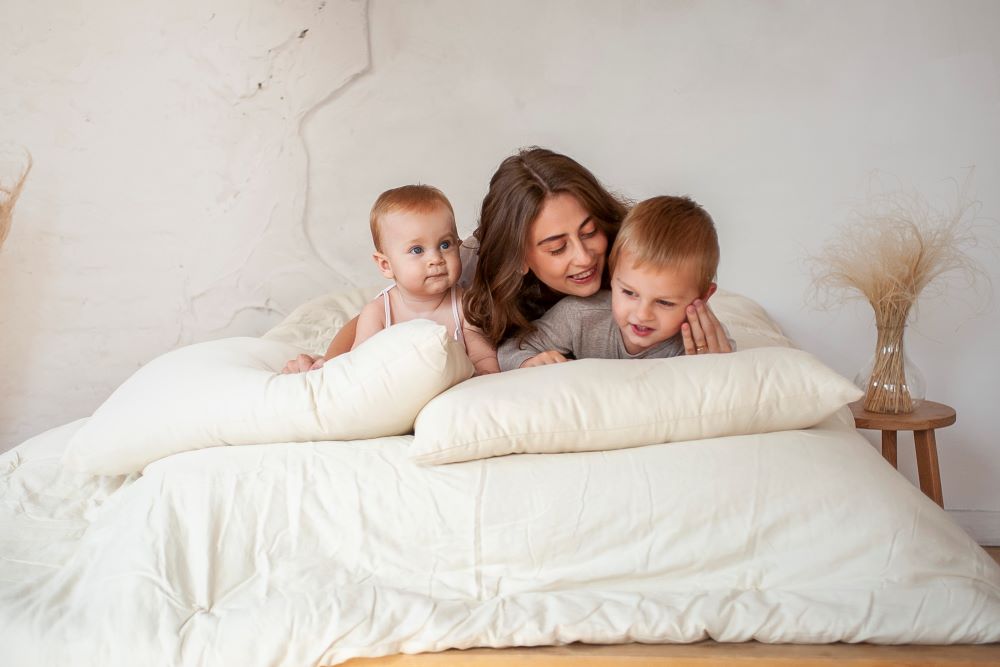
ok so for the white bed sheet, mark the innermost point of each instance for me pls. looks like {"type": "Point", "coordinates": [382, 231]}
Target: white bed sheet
{"type": "Point", "coordinates": [311, 554]}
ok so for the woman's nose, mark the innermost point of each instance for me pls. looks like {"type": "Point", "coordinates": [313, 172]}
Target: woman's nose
{"type": "Point", "coordinates": [581, 255]}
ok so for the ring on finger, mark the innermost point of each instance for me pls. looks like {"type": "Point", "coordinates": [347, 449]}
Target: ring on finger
{"type": "Point", "coordinates": [701, 348]}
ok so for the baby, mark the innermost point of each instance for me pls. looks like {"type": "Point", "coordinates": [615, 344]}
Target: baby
{"type": "Point", "coordinates": [417, 246]}
{"type": "Point", "coordinates": [663, 264]}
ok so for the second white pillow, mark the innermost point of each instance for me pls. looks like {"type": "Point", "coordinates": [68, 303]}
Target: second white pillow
{"type": "Point", "coordinates": [599, 404]}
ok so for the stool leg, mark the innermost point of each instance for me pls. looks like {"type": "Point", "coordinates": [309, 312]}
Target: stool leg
{"type": "Point", "coordinates": [889, 447]}
{"type": "Point", "coordinates": [927, 465]}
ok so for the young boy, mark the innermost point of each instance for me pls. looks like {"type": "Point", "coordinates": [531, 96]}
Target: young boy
{"type": "Point", "coordinates": [663, 264]}
{"type": "Point", "coordinates": [417, 246]}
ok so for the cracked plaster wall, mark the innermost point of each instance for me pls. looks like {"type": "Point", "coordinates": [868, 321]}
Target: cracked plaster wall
{"type": "Point", "coordinates": [202, 168]}
{"type": "Point", "coordinates": [170, 191]}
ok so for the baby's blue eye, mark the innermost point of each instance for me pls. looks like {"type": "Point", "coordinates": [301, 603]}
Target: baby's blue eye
{"type": "Point", "coordinates": [416, 250]}
{"type": "Point", "coordinates": [662, 302]}
{"type": "Point", "coordinates": [445, 245]}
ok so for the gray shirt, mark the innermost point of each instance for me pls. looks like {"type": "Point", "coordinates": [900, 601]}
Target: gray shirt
{"type": "Point", "coordinates": [583, 328]}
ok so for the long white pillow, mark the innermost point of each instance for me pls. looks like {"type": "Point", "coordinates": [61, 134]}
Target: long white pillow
{"type": "Point", "coordinates": [599, 404]}
{"type": "Point", "coordinates": [228, 392]}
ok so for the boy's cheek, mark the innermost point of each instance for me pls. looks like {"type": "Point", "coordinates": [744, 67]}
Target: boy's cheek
{"type": "Point", "coordinates": [617, 305]}
{"type": "Point", "coordinates": [618, 313]}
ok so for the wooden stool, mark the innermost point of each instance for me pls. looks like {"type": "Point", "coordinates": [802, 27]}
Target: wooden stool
{"type": "Point", "coordinates": [922, 421]}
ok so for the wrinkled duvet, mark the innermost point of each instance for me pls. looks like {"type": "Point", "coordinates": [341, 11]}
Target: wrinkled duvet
{"type": "Point", "coordinates": [311, 554]}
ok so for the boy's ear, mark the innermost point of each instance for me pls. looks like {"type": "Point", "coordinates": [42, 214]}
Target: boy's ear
{"type": "Point", "coordinates": [709, 292]}
{"type": "Point", "coordinates": [382, 262]}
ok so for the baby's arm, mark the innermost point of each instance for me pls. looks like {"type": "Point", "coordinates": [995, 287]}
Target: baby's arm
{"type": "Point", "coordinates": [341, 343]}
{"type": "Point", "coordinates": [481, 351]}
{"type": "Point", "coordinates": [371, 320]}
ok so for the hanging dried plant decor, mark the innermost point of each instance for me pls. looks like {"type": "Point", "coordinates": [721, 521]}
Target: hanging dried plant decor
{"type": "Point", "coordinates": [8, 198]}
{"type": "Point", "coordinates": [897, 247]}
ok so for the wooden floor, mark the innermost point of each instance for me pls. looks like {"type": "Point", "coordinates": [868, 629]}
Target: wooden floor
{"type": "Point", "coordinates": [703, 654]}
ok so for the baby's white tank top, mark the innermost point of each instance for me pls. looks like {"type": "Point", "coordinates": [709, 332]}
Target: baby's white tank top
{"type": "Point", "coordinates": [459, 336]}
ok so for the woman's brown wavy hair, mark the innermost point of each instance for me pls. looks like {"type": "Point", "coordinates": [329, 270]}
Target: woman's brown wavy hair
{"type": "Point", "coordinates": [501, 300]}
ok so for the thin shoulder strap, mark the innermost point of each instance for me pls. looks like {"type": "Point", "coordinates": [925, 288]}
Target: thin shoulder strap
{"type": "Point", "coordinates": [388, 311]}
{"type": "Point", "coordinates": [459, 336]}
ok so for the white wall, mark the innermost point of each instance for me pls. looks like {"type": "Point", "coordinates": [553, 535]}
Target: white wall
{"type": "Point", "coordinates": [175, 200]}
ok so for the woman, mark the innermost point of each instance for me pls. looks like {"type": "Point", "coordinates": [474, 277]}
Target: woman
{"type": "Point", "coordinates": [545, 230]}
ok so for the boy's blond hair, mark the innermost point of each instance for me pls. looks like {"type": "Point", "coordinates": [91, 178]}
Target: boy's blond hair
{"type": "Point", "coordinates": [413, 198]}
{"type": "Point", "coordinates": [666, 232]}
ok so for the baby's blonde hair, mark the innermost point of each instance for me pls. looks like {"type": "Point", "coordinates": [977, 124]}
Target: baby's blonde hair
{"type": "Point", "coordinates": [414, 198]}
{"type": "Point", "coordinates": [666, 232]}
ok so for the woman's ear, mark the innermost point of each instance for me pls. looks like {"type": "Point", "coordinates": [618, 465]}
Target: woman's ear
{"type": "Point", "coordinates": [382, 262]}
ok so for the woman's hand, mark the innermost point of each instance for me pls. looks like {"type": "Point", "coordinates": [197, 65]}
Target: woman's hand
{"type": "Point", "coordinates": [544, 359]}
{"type": "Point", "coordinates": [302, 363]}
{"type": "Point", "coordinates": [703, 333]}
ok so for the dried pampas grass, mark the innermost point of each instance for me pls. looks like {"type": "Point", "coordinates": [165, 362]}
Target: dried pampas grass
{"type": "Point", "coordinates": [897, 248]}
{"type": "Point", "coordinates": [8, 198]}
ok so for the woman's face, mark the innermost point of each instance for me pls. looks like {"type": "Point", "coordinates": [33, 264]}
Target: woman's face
{"type": "Point", "coordinates": [566, 249]}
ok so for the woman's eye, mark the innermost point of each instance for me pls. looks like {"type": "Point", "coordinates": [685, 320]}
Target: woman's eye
{"type": "Point", "coordinates": [416, 250]}
{"type": "Point", "coordinates": [557, 251]}
{"type": "Point", "coordinates": [589, 231]}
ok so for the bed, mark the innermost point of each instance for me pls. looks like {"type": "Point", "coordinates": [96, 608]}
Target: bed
{"type": "Point", "coordinates": [315, 553]}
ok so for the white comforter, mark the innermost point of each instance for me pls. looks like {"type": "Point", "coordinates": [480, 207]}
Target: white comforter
{"type": "Point", "coordinates": [309, 554]}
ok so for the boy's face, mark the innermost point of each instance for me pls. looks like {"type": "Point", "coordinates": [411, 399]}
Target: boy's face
{"type": "Point", "coordinates": [420, 251]}
{"type": "Point", "coordinates": [649, 304]}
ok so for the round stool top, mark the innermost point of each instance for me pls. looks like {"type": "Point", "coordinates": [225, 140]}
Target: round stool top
{"type": "Point", "coordinates": [927, 415]}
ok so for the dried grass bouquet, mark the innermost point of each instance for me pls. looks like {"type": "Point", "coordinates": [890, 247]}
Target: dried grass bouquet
{"type": "Point", "coordinates": [897, 247]}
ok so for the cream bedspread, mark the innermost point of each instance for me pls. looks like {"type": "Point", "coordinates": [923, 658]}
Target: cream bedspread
{"type": "Point", "coordinates": [310, 554]}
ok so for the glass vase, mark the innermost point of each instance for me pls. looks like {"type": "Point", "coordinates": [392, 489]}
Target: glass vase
{"type": "Point", "coordinates": [891, 382]}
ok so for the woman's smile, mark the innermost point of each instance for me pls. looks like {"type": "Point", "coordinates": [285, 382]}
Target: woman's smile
{"type": "Point", "coordinates": [584, 277]}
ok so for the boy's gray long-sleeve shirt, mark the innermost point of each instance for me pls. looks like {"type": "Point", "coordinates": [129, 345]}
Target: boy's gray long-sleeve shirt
{"type": "Point", "coordinates": [582, 328]}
